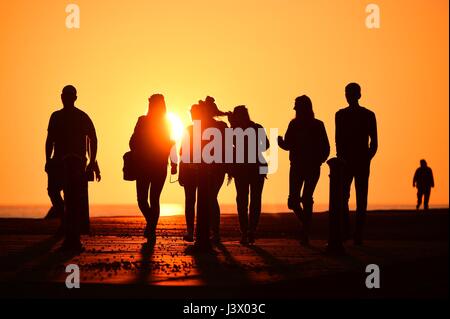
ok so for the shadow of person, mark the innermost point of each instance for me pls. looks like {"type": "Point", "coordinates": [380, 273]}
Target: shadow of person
{"type": "Point", "coordinates": [216, 272]}
{"type": "Point", "coordinates": [48, 268]}
{"type": "Point", "coordinates": [268, 258]}
{"type": "Point", "coordinates": [146, 264]}
{"type": "Point", "coordinates": [28, 254]}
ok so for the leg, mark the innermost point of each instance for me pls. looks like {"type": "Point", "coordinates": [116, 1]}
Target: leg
{"type": "Point", "coordinates": [242, 191]}
{"type": "Point", "coordinates": [419, 197]}
{"type": "Point", "coordinates": [142, 188]}
{"type": "Point", "coordinates": [295, 185]}
{"type": "Point", "coordinates": [426, 194]}
{"type": "Point", "coordinates": [74, 179]}
{"type": "Point", "coordinates": [308, 201]}
{"type": "Point", "coordinates": [362, 188]}
{"type": "Point", "coordinates": [156, 187]}
{"type": "Point", "coordinates": [190, 190]}
{"type": "Point", "coordinates": [346, 186]}
{"type": "Point", "coordinates": [256, 189]}
{"type": "Point", "coordinates": [203, 211]}
{"type": "Point", "coordinates": [54, 189]}
{"type": "Point", "coordinates": [217, 179]}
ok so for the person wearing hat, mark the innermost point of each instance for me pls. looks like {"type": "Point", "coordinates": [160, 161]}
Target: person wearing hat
{"type": "Point", "coordinates": [247, 174]}
{"type": "Point", "coordinates": [211, 175]}
{"type": "Point", "coordinates": [307, 142]}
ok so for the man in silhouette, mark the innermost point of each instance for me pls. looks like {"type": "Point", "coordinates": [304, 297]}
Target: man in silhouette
{"type": "Point", "coordinates": [423, 180]}
{"type": "Point", "coordinates": [356, 145]}
{"type": "Point", "coordinates": [71, 134]}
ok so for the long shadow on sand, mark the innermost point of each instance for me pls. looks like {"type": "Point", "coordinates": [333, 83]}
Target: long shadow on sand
{"type": "Point", "coordinates": [12, 261]}
{"type": "Point", "coordinates": [215, 272]}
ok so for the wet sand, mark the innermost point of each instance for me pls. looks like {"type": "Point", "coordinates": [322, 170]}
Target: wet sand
{"type": "Point", "coordinates": [411, 249]}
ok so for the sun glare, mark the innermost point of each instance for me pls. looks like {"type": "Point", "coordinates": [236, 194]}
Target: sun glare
{"type": "Point", "coordinates": [176, 126]}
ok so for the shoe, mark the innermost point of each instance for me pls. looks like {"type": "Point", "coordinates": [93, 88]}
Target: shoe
{"type": "Point", "coordinates": [189, 238]}
{"type": "Point", "coordinates": [216, 240]}
{"type": "Point", "coordinates": [251, 238]}
{"type": "Point", "coordinates": [244, 240]}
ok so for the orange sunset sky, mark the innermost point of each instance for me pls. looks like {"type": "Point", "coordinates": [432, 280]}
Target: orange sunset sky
{"type": "Point", "coordinates": [259, 53]}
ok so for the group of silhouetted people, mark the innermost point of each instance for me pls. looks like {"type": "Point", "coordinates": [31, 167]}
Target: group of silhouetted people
{"type": "Point", "coordinates": [71, 135]}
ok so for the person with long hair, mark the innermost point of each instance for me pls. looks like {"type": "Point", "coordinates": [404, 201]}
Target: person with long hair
{"type": "Point", "coordinates": [188, 173]}
{"type": "Point", "coordinates": [307, 142]}
{"type": "Point", "coordinates": [249, 175]}
{"type": "Point", "coordinates": [151, 145]}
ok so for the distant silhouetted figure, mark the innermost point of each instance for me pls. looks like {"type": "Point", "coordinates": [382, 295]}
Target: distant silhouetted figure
{"type": "Point", "coordinates": [307, 142]}
{"type": "Point", "coordinates": [188, 175]}
{"type": "Point", "coordinates": [423, 181]}
{"type": "Point", "coordinates": [248, 178]}
{"type": "Point", "coordinates": [356, 144]}
{"type": "Point", "coordinates": [151, 146]}
{"type": "Point", "coordinates": [71, 134]}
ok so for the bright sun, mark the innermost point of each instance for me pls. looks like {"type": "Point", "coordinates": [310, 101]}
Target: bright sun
{"type": "Point", "coordinates": [176, 126]}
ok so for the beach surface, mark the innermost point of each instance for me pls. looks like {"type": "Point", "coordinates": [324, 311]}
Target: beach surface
{"type": "Point", "coordinates": [410, 248]}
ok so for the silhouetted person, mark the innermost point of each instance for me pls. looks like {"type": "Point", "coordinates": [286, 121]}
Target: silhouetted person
{"type": "Point", "coordinates": [423, 181]}
{"type": "Point", "coordinates": [307, 142]}
{"type": "Point", "coordinates": [71, 134]}
{"type": "Point", "coordinates": [151, 146]}
{"type": "Point", "coordinates": [188, 175]}
{"type": "Point", "coordinates": [356, 144]}
{"type": "Point", "coordinates": [217, 171]}
{"type": "Point", "coordinates": [210, 179]}
{"type": "Point", "coordinates": [248, 178]}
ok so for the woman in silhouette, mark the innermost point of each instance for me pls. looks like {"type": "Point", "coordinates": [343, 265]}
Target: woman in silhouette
{"type": "Point", "coordinates": [307, 142]}
{"type": "Point", "coordinates": [151, 146]}
{"type": "Point", "coordinates": [249, 174]}
{"type": "Point", "coordinates": [188, 176]}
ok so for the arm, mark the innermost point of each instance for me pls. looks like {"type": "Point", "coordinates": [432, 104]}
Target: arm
{"type": "Point", "coordinates": [49, 143]}
{"type": "Point", "coordinates": [338, 135]}
{"type": "Point", "coordinates": [286, 143]}
{"type": "Point", "coordinates": [132, 142]}
{"type": "Point", "coordinates": [325, 143]}
{"type": "Point", "coordinates": [432, 178]}
{"type": "Point", "coordinates": [415, 178]}
{"type": "Point", "coordinates": [48, 148]}
{"type": "Point", "coordinates": [373, 134]}
{"type": "Point", "coordinates": [263, 140]}
{"type": "Point", "coordinates": [92, 143]}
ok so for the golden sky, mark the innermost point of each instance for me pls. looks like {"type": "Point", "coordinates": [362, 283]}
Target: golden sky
{"type": "Point", "coordinates": [259, 53]}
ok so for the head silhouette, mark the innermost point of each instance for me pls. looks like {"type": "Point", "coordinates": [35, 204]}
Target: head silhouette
{"type": "Point", "coordinates": [157, 105]}
{"type": "Point", "coordinates": [303, 108]}
{"type": "Point", "coordinates": [240, 115]}
{"type": "Point", "coordinates": [196, 112]}
{"type": "Point", "coordinates": [69, 96]}
{"type": "Point", "coordinates": [353, 93]}
{"type": "Point", "coordinates": [423, 163]}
